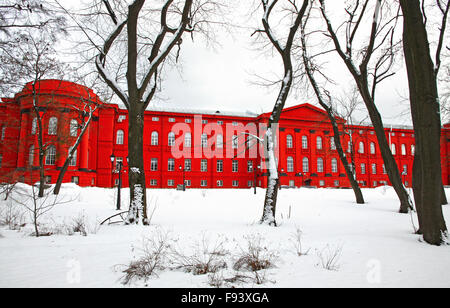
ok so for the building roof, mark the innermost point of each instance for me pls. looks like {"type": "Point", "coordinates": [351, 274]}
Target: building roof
{"type": "Point", "coordinates": [245, 114]}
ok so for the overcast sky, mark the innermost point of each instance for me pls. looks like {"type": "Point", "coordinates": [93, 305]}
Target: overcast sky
{"type": "Point", "coordinates": [223, 78]}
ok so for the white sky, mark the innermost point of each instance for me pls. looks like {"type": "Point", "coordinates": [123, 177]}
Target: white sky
{"type": "Point", "coordinates": [221, 78]}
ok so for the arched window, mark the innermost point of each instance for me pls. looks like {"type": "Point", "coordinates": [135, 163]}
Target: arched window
{"type": "Point", "coordinates": [361, 147]}
{"type": "Point", "coordinates": [53, 126]}
{"type": "Point", "coordinates": [305, 164]}
{"type": "Point", "coordinates": [73, 161]}
{"type": "Point", "coordinates": [204, 140]}
{"type": "Point", "coordinates": [332, 144]}
{"type": "Point", "coordinates": [413, 149]}
{"type": "Point", "coordinates": [372, 148]}
{"type": "Point", "coordinates": [334, 165]}
{"type": "Point", "coordinates": [219, 142]}
{"type": "Point", "coordinates": [319, 165]}
{"type": "Point", "coordinates": [50, 158]}
{"type": "Point", "coordinates": [289, 143]}
{"type": "Point", "coordinates": [187, 140]}
{"type": "Point", "coordinates": [393, 149]}
{"type": "Point", "coordinates": [304, 142]}
{"type": "Point", "coordinates": [290, 164]}
{"type": "Point", "coordinates": [319, 142]}
{"type": "Point", "coordinates": [119, 137]}
{"type": "Point", "coordinates": [171, 139]}
{"type": "Point", "coordinates": [73, 127]}
{"type": "Point", "coordinates": [403, 149]}
{"type": "Point", "coordinates": [155, 138]}
{"type": "Point", "coordinates": [234, 142]}
{"type": "Point", "coordinates": [34, 126]}
{"type": "Point", "coordinates": [31, 156]}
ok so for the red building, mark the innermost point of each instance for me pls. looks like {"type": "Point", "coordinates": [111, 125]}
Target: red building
{"type": "Point", "coordinates": [209, 149]}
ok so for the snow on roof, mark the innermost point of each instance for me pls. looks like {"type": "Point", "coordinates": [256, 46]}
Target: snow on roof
{"type": "Point", "coordinates": [246, 113]}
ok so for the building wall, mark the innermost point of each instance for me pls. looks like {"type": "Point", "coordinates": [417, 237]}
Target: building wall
{"type": "Point", "coordinates": [64, 100]}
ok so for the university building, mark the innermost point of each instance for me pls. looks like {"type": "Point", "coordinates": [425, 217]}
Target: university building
{"type": "Point", "coordinates": [206, 149]}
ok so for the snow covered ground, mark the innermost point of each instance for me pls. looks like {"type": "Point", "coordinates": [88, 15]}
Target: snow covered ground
{"type": "Point", "coordinates": [373, 245]}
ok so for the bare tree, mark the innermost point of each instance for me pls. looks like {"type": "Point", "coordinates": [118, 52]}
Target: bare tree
{"type": "Point", "coordinates": [325, 100]}
{"type": "Point", "coordinates": [425, 111]}
{"type": "Point", "coordinates": [285, 51]}
{"type": "Point", "coordinates": [366, 77]}
{"type": "Point", "coordinates": [154, 41]}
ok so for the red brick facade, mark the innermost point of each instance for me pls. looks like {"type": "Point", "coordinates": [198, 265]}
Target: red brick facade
{"type": "Point", "coordinates": [306, 155]}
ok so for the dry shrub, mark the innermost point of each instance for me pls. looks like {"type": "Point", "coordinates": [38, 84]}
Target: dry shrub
{"type": "Point", "coordinates": [329, 257]}
{"type": "Point", "coordinates": [206, 258]}
{"type": "Point", "coordinates": [256, 256]}
{"type": "Point", "coordinates": [154, 256]}
{"type": "Point", "coordinates": [12, 216]}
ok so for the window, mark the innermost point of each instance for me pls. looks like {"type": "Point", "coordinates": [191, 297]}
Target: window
{"type": "Point", "coordinates": [372, 148]}
{"type": "Point", "coordinates": [235, 183]}
{"type": "Point", "coordinates": [290, 164]}
{"type": "Point", "coordinates": [361, 148]}
{"type": "Point", "coordinates": [73, 128]}
{"type": "Point", "coordinates": [235, 165]}
{"type": "Point", "coordinates": [3, 132]}
{"type": "Point", "coordinates": [204, 140]}
{"type": "Point", "coordinates": [249, 183]}
{"type": "Point", "coordinates": [403, 149]}
{"type": "Point", "coordinates": [187, 183]}
{"type": "Point", "coordinates": [234, 142]}
{"type": "Point", "coordinates": [332, 144]}
{"type": "Point", "coordinates": [204, 165]}
{"type": "Point", "coordinates": [319, 165]}
{"type": "Point", "coordinates": [219, 141]}
{"type": "Point", "coordinates": [249, 166]}
{"type": "Point", "coordinates": [234, 123]}
{"type": "Point", "coordinates": [170, 182]}
{"type": "Point", "coordinates": [52, 126]}
{"type": "Point", "coordinates": [349, 147]}
{"type": "Point", "coordinates": [334, 165]}
{"type": "Point", "coordinates": [48, 179]}
{"type": "Point", "coordinates": [153, 182]}
{"type": "Point", "coordinates": [204, 121]}
{"type": "Point", "coordinates": [219, 166]}
{"type": "Point", "coordinates": [405, 170]}
{"type": "Point", "coordinates": [187, 120]}
{"type": "Point", "coordinates": [413, 149]}
{"type": "Point", "coordinates": [374, 168]}
{"type": "Point", "coordinates": [119, 137]}
{"type": "Point", "coordinates": [384, 169]}
{"type": "Point", "coordinates": [219, 183]}
{"type": "Point", "coordinates": [31, 156]}
{"type": "Point", "coordinates": [155, 138]}
{"type": "Point", "coordinates": [154, 164]}
{"type": "Point", "coordinates": [73, 161]}
{"type": "Point", "coordinates": [289, 143]}
{"type": "Point", "coordinates": [155, 119]}
{"type": "Point", "coordinates": [305, 164]}
{"type": "Point", "coordinates": [291, 183]}
{"type": "Point", "coordinates": [219, 122]}
{"type": "Point", "coordinates": [336, 183]}
{"type": "Point", "coordinates": [121, 118]}
{"type": "Point", "coordinates": [203, 183]}
{"type": "Point", "coordinates": [34, 126]}
{"type": "Point", "coordinates": [304, 142]}
{"type": "Point", "coordinates": [171, 139]}
{"type": "Point", "coordinates": [1, 158]}
{"type": "Point", "coordinates": [187, 140]}
{"type": "Point", "coordinates": [319, 143]}
{"type": "Point", "coordinates": [187, 164]}
{"type": "Point", "coordinates": [171, 164]}
{"type": "Point", "coordinates": [171, 120]}
{"type": "Point", "coordinates": [322, 183]}
{"type": "Point", "coordinates": [75, 180]}
{"type": "Point", "coordinates": [119, 160]}
{"type": "Point", "coordinates": [363, 168]}
{"type": "Point", "coordinates": [393, 149]}
{"type": "Point", "coordinates": [50, 158]}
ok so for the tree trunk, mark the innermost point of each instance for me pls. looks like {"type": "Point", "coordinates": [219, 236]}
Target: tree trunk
{"type": "Point", "coordinates": [425, 113]}
{"type": "Point", "coordinates": [61, 176]}
{"type": "Point", "coordinates": [136, 175]}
